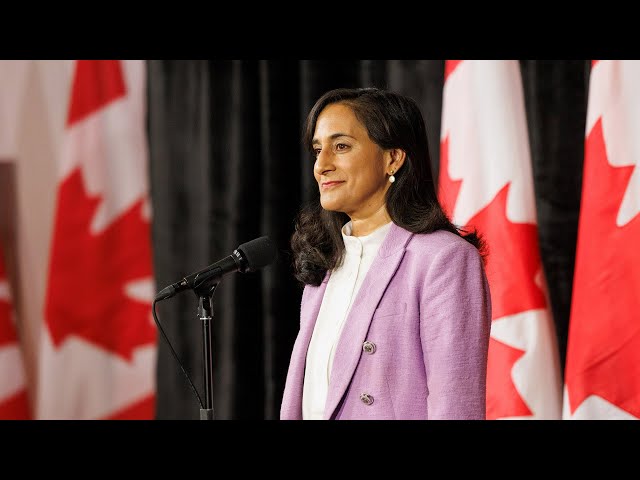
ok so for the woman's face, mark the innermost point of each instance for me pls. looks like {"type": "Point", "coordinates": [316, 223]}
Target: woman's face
{"type": "Point", "coordinates": [350, 168]}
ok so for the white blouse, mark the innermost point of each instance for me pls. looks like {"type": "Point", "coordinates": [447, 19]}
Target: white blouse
{"type": "Point", "coordinates": [344, 283]}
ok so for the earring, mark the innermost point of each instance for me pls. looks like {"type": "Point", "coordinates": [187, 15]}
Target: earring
{"type": "Point", "coordinates": [392, 178]}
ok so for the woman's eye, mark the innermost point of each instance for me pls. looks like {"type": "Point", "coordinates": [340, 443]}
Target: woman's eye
{"type": "Point", "coordinates": [341, 146]}
{"type": "Point", "coordinates": [316, 151]}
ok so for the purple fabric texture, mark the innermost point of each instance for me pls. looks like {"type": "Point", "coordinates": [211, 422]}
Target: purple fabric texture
{"type": "Point", "coordinates": [426, 308]}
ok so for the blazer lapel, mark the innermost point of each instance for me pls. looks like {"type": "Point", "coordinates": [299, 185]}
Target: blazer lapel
{"type": "Point", "coordinates": [292, 397]}
{"type": "Point", "coordinates": [356, 326]}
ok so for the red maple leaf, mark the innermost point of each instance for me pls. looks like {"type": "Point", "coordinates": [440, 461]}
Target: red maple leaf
{"type": "Point", "coordinates": [88, 273]}
{"type": "Point", "coordinates": [16, 407]}
{"type": "Point", "coordinates": [95, 84]}
{"type": "Point", "coordinates": [512, 265]}
{"type": "Point", "coordinates": [7, 329]}
{"type": "Point", "coordinates": [503, 400]}
{"type": "Point", "coordinates": [603, 352]}
{"type": "Point", "coordinates": [513, 260]}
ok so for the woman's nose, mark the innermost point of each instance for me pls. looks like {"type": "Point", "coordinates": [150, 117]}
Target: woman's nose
{"type": "Point", "coordinates": [323, 163]}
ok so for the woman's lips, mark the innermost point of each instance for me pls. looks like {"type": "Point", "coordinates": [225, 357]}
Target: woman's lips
{"type": "Point", "coordinates": [328, 185]}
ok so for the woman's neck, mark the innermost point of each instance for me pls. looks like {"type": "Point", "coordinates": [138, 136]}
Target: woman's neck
{"type": "Point", "coordinates": [361, 226]}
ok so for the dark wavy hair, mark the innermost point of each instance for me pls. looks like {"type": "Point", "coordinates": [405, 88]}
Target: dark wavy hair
{"type": "Point", "coordinates": [392, 121]}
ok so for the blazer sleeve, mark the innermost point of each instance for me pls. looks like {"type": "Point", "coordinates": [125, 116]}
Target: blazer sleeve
{"type": "Point", "coordinates": [455, 324]}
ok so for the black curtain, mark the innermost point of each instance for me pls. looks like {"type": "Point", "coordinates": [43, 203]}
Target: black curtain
{"type": "Point", "coordinates": [227, 166]}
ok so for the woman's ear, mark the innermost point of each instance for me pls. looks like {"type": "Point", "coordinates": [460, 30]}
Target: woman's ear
{"type": "Point", "coordinates": [395, 160]}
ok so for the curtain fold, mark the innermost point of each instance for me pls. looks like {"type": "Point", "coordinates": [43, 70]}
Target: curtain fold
{"type": "Point", "coordinates": [556, 99]}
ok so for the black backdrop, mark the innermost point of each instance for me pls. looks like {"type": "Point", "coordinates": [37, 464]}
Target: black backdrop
{"type": "Point", "coordinates": [227, 166]}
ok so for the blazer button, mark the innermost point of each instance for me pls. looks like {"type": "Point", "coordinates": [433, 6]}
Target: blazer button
{"type": "Point", "coordinates": [369, 347]}
{"type": "Point", "coordinates": [366, 398]}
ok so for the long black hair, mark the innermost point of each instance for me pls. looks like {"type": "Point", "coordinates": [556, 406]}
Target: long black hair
{"type": "Point", "coordinates": [392, 121]}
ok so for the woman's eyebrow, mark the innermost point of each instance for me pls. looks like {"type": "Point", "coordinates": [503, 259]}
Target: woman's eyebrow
{"type": "Point", "coordinates": [333, 137]}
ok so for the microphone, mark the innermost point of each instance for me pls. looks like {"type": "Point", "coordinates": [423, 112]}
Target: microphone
{"type": "Point", "coordinates": [248, 257]}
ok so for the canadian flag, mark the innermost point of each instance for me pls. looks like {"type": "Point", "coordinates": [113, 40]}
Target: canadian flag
{"type": "Point", "coordinates": [486, 183]}
{"type": "Point", "coordinates": [602, 375]}
{"type": "Point", "coordinates": [98, 346]}
{"type": "Point", "coordinates": [14, 401]}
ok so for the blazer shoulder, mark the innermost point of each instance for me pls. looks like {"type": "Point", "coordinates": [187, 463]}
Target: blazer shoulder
{"type": "Point", "coordinates": [430, 253]}
{"type": "Point", "coordinates": [439, 241]}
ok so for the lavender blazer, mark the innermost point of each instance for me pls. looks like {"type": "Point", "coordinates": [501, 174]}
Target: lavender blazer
{"type": "Point", "coordinates": [415, 343]}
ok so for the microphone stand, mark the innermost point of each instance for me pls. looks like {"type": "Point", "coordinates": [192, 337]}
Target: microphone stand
{"type": "Point", "coordinates": [205, 314]}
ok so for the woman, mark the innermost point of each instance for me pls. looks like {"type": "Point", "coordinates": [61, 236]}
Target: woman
{"type": "Point", "coordinates": [396, 313]}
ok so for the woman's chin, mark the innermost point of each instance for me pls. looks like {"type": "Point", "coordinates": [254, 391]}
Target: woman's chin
{"type": "Point", "coordinates": [329, 205]}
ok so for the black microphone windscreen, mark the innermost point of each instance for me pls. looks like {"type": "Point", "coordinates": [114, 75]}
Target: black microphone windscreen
{"type": "Point", "coordinates": [258, 253]}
